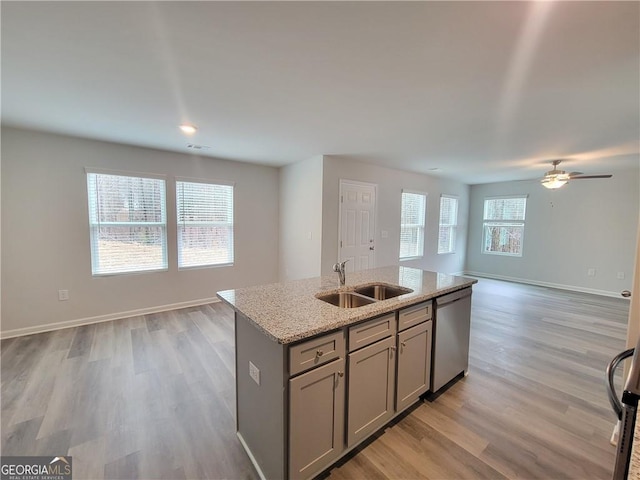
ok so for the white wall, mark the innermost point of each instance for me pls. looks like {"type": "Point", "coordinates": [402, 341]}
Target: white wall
{"type": "Point", "coordinates": [300, 219]}
{"type": "Point", "coordinates": [586, 224]}
{"type": "Point", "coordinates": [390, 184]}
{"type": "Point", "coordinates": [45, 233]}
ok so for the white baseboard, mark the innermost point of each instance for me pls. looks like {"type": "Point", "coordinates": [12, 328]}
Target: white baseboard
{"type": "Point", "coordinates": [560, 286]}
{"type": "Point", "coordinates": [251, 457]}
{"type": "Point", "coordinates": [19, 332]}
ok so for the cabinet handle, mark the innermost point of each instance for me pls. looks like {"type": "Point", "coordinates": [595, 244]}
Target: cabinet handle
{"type": "Point", "coordinates": [341, 374]}
{"type": "Point", "coordinates": [403, 344]}
{"type": "Point", "coordinates": [393, 348]}
{"type": "Point", "coordinates": [319, 353]}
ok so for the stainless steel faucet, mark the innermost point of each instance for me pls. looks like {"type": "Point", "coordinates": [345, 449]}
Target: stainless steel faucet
{"type": "Point", "coordinates": [339, 269]}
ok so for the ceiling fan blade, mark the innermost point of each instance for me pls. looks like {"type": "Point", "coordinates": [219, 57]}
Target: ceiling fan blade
{"type": "Point", "coordinates": [571, 174]}
{"type": "Point", "coordinates": [591, 176]}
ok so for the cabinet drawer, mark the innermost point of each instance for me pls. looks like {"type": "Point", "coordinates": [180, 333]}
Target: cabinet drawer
{"type": "Point", "coordinates": [410, 316]}
{"type": "Point", "coordinates": [371, 331]}
{"type": "Point", "coordinates": [315, 352]}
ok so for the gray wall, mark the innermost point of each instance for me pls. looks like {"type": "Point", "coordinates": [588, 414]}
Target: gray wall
{"type": "Point", "coordinates": [585, 224]}
{"type": "Point", "coordinates": [300, 219]}
{"type": "Point", "coordinates": [390, 184]}
{"type": "Point", "coordinates": [45, 232]}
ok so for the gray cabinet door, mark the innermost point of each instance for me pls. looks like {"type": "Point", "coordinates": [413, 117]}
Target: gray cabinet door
{"type": "Point", "coordinates": [371, 386]}
{"type": "Point", "coordinates": [414, 364]}
{"type": "Point", "coordinates": [316, 419]}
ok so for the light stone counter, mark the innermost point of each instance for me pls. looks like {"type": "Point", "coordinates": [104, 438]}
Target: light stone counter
{"type": "Point", "coordinates": [289, 311]}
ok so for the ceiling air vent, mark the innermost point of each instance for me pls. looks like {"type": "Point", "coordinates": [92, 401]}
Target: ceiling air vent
{"type": "Point", "coordinates": [193, 146]}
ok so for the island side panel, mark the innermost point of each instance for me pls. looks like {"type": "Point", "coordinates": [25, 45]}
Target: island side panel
{"type": "Point", "coordinates": [260, 413]}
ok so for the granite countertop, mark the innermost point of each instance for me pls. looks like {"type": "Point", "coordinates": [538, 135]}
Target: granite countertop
{"type": "Point", "coordinates": [289, 311]}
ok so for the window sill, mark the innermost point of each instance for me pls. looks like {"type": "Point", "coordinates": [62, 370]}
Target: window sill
{"type": "Point", "coordinates": [405, 259]}
{"type": "Point", "coordinates": [200, 267]}
{"type": "Point", "coordinates": [132, 272]}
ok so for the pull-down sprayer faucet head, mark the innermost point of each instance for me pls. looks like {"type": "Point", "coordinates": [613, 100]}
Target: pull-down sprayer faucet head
{"type": "Point", "coordinates": [339, 269]}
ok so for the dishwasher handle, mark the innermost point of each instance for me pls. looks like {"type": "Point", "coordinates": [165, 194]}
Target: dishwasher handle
{"type": "Point", "coordinates": [453, 297]}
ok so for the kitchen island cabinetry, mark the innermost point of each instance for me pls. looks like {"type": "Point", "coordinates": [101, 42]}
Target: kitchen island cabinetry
{"type": "Point", "coordinates": [316, 418]}
{"type": "Point", "coordinates": [314, 380]}
{"type": "Point", "coordinates": [414, 364]}
{"type": "Point", "coordinates": [371, 389]}
{"type": "Point", "coordinates": [414, 353]}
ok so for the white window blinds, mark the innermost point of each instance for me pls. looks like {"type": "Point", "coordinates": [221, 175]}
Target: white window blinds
{"type": "Point", "coordinates": [205, 224]}
{"type": "Point", "coordinates": [503, 225]}
{"type": "Point", "coordinates": [127, 219]}
{"type": "Point", "coordinates": [448, 224]}
{"type": "Point", "coordinates": [505, 208]}
{"type": "Point", "coordinates": [412, 220]}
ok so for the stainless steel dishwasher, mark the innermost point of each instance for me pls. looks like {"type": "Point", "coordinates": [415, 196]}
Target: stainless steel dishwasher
{"type": "Point", "coordinates": [451, 337]}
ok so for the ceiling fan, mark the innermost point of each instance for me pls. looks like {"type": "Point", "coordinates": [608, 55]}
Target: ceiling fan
{"type": "Point", "coordinates": [556, 178]}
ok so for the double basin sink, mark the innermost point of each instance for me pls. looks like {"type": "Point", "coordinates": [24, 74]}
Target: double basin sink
{"type": "Point", "coordinates": [364, 295]}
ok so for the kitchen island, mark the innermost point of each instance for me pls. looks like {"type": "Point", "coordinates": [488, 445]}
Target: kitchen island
{"type": "Point", "coordinates": [313, 380]}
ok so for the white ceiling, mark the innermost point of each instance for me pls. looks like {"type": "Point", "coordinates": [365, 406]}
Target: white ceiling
{"type": "Point", "coordinates": [482, 91]}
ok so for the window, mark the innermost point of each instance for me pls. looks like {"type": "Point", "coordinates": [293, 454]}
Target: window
{"type": "Point", "coordinates": [448, 224]}
{"type": "Point", "coordinates": [414, 206]}
{"type": "Point", "coordinates": [128, 223]}
{"type": "Point", "coordinates": [205, 224]}
{"type": "Point", "coordinates": [504, 225]}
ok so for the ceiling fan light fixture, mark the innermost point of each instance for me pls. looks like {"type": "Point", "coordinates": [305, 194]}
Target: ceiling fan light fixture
{"type": "Point", "coordinates": [188, 129]}
{"type": "Point", "coordinates": [553, 181]}
{"type": "Point", "coordinates": [556, 178]}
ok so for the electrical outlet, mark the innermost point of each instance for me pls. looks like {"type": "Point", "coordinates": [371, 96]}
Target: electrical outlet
{"type": "Point", "coordinates": [384, 234]}
{"type": "Point", "coordinates": [591, 272]}
{"type": "Point", "coordinates": [63, 295]}
{"type": "Point", "coordinates": [309, 235]}
{"type": "Point", "coordinates": [620, 275]}
{"type": "Point", "coordinates": [254, 372]}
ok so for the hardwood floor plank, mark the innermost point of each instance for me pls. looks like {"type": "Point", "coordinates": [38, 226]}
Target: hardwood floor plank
{"type": "Point", "coordinates": [92, 402]}
{"type": "Point", "coordinates": [103, 339]}
{"type": "Point", "coordinates": [82, 341]}
{"type": "Point", "coordinates": [60, 411]}
{"type": "Point", "coordinates": [89, 459]}
{"type": "Point", "coordinates": [20, 438]}
{"type": "Point", "coordinates": [449, 428]}
{"type": "Point", "coordinates": [123, 468]}
{"type": "Point", "coordinates": [141, 347]}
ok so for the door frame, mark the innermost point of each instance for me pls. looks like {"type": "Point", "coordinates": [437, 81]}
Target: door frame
{"type": "Point", "coordinates": [344, 181]}
{"type": "Point", "coordinates": [633, 325]}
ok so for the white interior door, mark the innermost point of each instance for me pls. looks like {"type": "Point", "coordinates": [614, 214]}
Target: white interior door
{"type": "Point", "coordinates": [357, 225]}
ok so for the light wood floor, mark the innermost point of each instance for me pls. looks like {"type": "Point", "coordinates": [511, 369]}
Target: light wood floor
{"type": "Point", "coordinates": [153, 396]}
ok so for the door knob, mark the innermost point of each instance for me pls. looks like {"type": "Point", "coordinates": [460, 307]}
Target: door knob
{"type": "Point", "coordinates": [372, 248]}
{"type": "Point", "coordinates": [625, 293]}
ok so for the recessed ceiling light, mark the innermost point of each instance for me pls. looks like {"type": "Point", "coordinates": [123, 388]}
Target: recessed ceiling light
{"type": "Point", "coordinates": [434, 169]}
{"type": "Point", "coordinates": [188, 129]}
